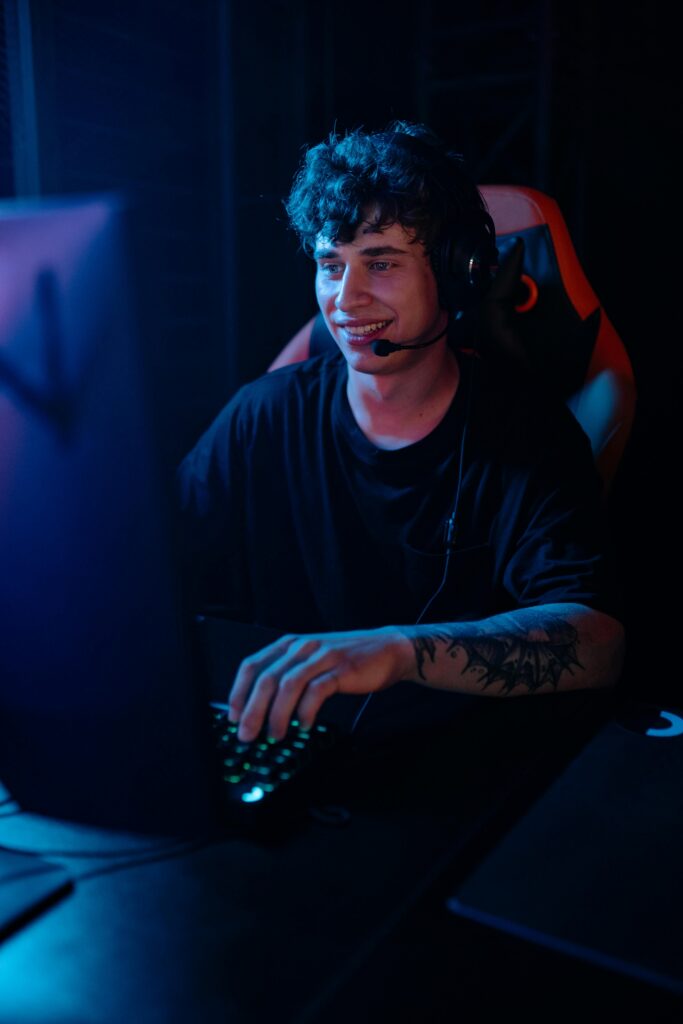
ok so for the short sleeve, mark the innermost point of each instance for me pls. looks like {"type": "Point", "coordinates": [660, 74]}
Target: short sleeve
{"type": "Point", "coordinates": [561, 551]}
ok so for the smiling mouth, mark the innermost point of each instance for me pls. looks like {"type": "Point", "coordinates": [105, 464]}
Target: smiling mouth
{"type": "Point", "coordinates": [365, 332]}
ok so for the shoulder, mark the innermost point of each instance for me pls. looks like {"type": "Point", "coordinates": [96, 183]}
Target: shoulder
{"type": "Point", "coordinates": [260, 407]}
{"type": "Point", "coordinates": [517, 415]}
{"type": "Point", "coordinates": [298, 393]}
{"type": "Point", "coordinates": [306, 378]}
{"type": "Point", "coordinates": [286, 383]}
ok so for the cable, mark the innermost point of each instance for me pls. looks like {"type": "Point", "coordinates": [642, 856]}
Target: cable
{"type": "Point", "coordinates": [450, 522]}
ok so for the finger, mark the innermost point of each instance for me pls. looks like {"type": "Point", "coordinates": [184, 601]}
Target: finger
{"type": "Point", "coordinates": [316, 693]}
{"type": "Point", "coordinates": [254, 714]}
{"type": "Point", "coordinates": [249, 670]}
{"type": "Point", "coordinates": [295, 683]}
{"type": "Point", "coordinates": [266, 687]}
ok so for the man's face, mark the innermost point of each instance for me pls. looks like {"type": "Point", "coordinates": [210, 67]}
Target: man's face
{"type": "Point", "coordinates": [380, 285]}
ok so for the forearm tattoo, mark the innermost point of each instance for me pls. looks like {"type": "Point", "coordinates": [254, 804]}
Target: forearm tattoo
{"type": "Point", "coordinates": [505, 653]}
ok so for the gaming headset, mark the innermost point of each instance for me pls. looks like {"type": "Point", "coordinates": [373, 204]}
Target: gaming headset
{"type": "Point", "coordinates": [465, 261]}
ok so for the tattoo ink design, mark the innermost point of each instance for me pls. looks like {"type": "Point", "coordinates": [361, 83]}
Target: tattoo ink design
{"type": "Point", "coordinates": [511, 658]}
{"type": "Point", "coordinates": [425, 645]}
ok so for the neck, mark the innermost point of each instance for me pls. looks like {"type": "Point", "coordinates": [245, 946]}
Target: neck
{"type": "Point", "coordinates": [397, 409]}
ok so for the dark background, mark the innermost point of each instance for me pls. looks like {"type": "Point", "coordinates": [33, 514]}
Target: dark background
{"type": "Point", "coordinates": [199, 113]}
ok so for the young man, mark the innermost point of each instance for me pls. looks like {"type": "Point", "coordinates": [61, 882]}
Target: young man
{"type": "Point", "coordinates": [400, 509]}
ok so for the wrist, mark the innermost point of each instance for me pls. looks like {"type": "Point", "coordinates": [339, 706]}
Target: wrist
{"type": "Point", "coordinates": [402, 638]}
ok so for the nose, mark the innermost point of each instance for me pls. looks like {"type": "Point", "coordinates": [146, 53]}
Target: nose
{"type": "Point", "coordinates": [352, 291]}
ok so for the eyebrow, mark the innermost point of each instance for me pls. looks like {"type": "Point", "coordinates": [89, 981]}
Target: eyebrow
{"type": "Point", "coordinates": [375, 250]}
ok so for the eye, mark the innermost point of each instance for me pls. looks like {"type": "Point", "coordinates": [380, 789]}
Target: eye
{"type": "Point", "coordinates": [327, 269]}
{"type": "Point", "coordinates": [381, 265]}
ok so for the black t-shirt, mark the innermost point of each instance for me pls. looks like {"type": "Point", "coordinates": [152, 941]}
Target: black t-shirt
{"type": "Point", "coordinates": [292, 518]}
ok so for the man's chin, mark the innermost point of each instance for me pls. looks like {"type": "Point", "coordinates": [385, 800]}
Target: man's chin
{"type": "Point", "coordinates": [363, 358]}
{"type": "Point", "coordinates": [377, 366]}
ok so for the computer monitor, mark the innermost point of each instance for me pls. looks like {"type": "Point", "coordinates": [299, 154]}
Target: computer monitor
{"type": "Point", "coordinates": [100, 718]}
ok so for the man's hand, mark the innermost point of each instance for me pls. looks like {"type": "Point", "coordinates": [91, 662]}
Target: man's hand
{"type": "Point", "coordinates": [294, 676]}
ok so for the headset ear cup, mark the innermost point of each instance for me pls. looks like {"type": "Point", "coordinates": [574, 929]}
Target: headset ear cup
{"type": "Point", "coordinates": [482, 266]}
{"type": "Point", "coordinates": [442, 264]}
{"type": "Point", "coordinates": [463, 267]}
{"type": "Point", "coordinates": [457, 278]}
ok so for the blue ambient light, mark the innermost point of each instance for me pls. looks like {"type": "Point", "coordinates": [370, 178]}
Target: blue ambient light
{"type": "Point", "coordinates": [675, 727]}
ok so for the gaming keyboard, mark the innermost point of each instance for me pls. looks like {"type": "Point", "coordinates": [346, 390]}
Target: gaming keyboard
{"type": "Point", "coordinates": [267, 778]}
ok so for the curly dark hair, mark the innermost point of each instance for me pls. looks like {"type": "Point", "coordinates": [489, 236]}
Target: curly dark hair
{"type": "Point", "coordinates": [404, 173]}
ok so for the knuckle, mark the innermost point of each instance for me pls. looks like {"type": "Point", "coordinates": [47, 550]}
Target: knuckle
{"type": "Point", "coordinates": [251, 720]}
{"type": "Point", "coordinates": [342, 662]}
{"type": "Point", "coordinates": [306, 646]}
{"type": "Point", "coordinates": [266, 681]}
{"type": "Point", "coordinates": [324, 685]}
{"type": "Point", "coordinates": [249, 664]}
{"type": "Point", "coordinates": [236, 701]}
{"type": "Point", "coordinates": [289, 683]}
{"type": "Point", "coordinates": [238, 692]}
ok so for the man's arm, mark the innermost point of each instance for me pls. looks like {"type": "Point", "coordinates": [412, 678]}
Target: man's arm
{"type": "Point", "coordinates": [544, 649]}
{"type": "Point", "coordinates": [541, 649]}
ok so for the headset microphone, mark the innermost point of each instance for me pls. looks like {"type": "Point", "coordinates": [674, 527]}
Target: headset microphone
{"type": "Point", "coordinates": [382, 347]}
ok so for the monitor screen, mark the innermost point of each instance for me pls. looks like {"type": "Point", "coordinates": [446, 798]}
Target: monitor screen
{"type": "Point", "coordinates": [99, 715]}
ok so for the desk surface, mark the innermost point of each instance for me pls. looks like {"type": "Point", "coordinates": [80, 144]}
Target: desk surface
{"type": "Point", "coordinates": [246, 931]}
{"type": "Point", "coordinates": [234, 929]}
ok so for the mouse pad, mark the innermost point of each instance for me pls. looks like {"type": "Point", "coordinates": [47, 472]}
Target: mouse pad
{"type": "Point", "coordinates": [593, 868]}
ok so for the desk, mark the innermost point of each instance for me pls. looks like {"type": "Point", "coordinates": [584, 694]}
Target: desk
{"type": "Point", "coordinates": [246, 931]}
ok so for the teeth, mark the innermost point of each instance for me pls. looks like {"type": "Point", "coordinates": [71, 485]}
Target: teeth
{"type": "Point", "coordinates": [368, 328]}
